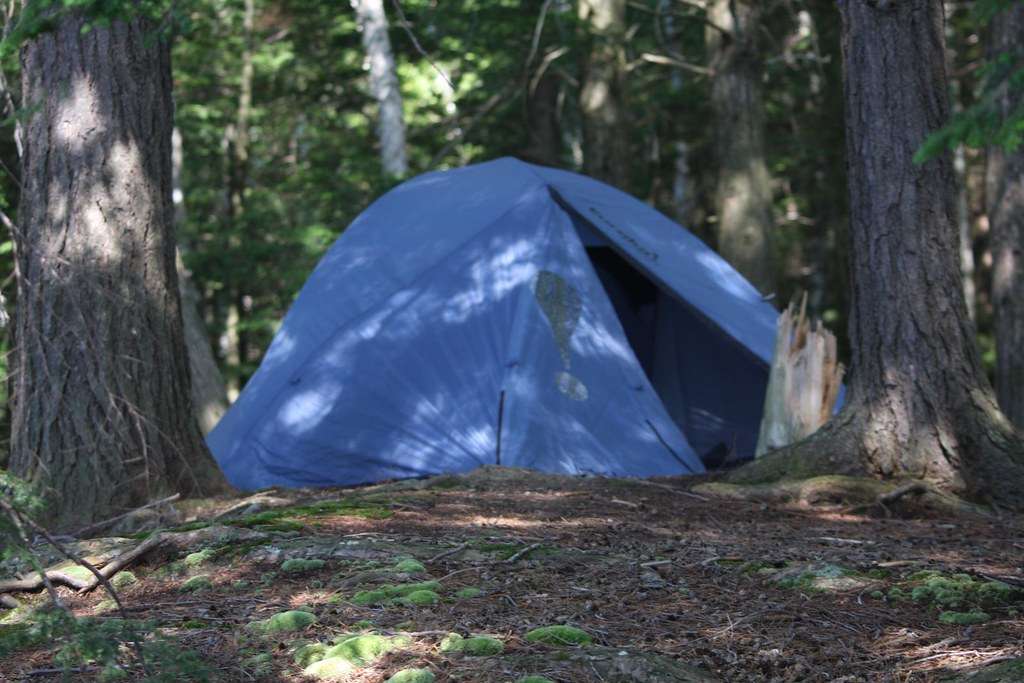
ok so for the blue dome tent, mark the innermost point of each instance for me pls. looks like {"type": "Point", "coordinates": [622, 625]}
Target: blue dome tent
{"type": "Point", "coordinates": [505, 313]}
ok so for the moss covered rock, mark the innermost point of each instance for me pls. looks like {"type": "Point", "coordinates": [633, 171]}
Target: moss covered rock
{"type": "Point", "coordinates": [330, 669]}
{"type": "Point", "coordinates": [298, 565]}
{"type": "Point", "coordinates": [534, 679]}
{"type": "Point", "coordinates": [363, 649]}
{"type": "Point", "coordinates": [369, 598]}
{"type": "Point", "coordinates": [467, 593]}
{"type": "Point", "coordinates": [412, 676]}
{"type": "Point", "coordinates": [559, 635]}
{"type": "Point", "coordinates": [283, 622]}
{"type": "Point", "coordinates": [310, 653]}
{"type": "Point", "coordinates": [410, 566]}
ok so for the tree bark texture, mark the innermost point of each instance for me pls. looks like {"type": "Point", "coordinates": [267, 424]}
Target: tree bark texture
{"type": "Point", "coordinates": [102, 417]}
{"type": "Point", "coordinates": [384, 86]}
{"type": "Point", "coordinates": [209, 395]}
{"type": "Point", "coordinates": [605, 144]}
{"type": "Point", "coordinates": [918, 403]}
{"type": "Point", "coordinates": [1006, 214]}
{"type": "Point", "coordinates": [544, 132]}
{"type": "Point", "coordinates": [743, 194]}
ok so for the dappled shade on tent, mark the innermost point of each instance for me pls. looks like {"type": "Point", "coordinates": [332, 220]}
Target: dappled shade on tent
{"type": "Point", "coordinates": [512, 314]}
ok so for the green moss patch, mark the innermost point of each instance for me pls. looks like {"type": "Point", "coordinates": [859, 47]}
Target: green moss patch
{"type": "Point", "coordinates": [964, 618]}
{"type": "Point", "coordinates": [468, 593]}
{"type": "Point", "coordinates": [369, 598]}
{"type": "Point", "coordinates": [201, 582]}
{"type": "Point", "coordinates": [421, 598]}
{"type": "Point", "coordinates": [297, 565]}
{"type": "Point", "coordinates": [410, 566]}
{"type": "Point", "coordinates": [953, 591]}
{"type": "Point", "coordinates": [309, 653]}
{"type": "Point", "coordinates": [412, 676]}
{"type": "Point", "coordinates": [363, 649]}
{"type": "Point", "coordinates": [474, 646]}
{"type": "Point", "coordinates": [123, 579]}
{"type": "Point", "coordinates": [559, 635]}
{"type": "Point", "coordinates": [199, 557]}
{"type": "Point", "coordinates": [534, 679]}
{"type": "Point", "coordinates": [292, 620]}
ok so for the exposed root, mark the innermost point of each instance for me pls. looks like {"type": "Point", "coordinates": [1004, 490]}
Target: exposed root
{"type": "Point", "coordinates": [858, 495]}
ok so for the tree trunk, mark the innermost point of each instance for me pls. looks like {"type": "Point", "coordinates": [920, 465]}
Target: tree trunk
{"type": "Point", "coordinates": [743, 193]}
{"type": "Point", "coordinates": [918, 404]}
{"type": "Point", "coordinates": [102, 416]}
{"type": "Point", "coordinates": [1006, 213]}
{"type": "Point", "coordinates": [209, 396]}
{"type": "Point", "coordinates": [234, 340]}
{"type": "Point", "coordinates": [544, 134]}
{"type": "Point", "coordinates": [605, 148]}
{"type": "Point", "coordinates": [373, 23]}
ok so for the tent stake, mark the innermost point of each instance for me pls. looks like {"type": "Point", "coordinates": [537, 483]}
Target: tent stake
{"type": "Point", "coordinates": [501, 417]}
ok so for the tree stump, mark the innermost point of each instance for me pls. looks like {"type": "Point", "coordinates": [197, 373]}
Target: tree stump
{"type": "Point", "coordinates": [803, 383]}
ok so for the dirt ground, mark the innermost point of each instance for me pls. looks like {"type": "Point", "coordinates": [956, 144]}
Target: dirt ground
{"type": "Point", "coordinates": [656, 575]}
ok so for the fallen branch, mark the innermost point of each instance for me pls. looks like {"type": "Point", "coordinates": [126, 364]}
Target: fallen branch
{"type": "Point", "coordinates": [8, 601]}
{"type": "Point", "coordinates": [448, 553]}
{"type": "Point", "coordinates": [673, 489]}
{"type": "Point", "coordinates": [522, 553]}
{"type": "Point", "coordinates": [107, 522]}
{"type": "Point", "coordinates": [123, 560]}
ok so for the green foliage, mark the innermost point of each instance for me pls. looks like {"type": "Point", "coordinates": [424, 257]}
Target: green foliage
{"type": "Point", "coordinates": [198, 558]}
{"type": "Point", "coordinates": [123, 579]}
{"type": "Point", "coordinates": [958, 590]}
{"type": "Point", "coordinates": [559, 635]}
{"type": "Point", "coordinates": [468, 592]}
{"type": "Point", "coordinates": [964, 618]}
{"type": "Point", "coordinates": [103, 643]}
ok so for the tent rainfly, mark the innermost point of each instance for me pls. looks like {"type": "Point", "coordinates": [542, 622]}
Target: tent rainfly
{"type": "Point", "coordinates": [505, 313]}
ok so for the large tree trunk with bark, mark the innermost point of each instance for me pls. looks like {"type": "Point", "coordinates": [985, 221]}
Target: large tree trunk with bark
{"type": "Point", "coordinates": [102, 417]}
{"type": "Point", "coordinates": [919, 404]}
{"type": "Point", "coordinates": [605, 148]}
{"type": "Point", "coordinates": [743, 191]}
{"type": "Point", "coordinates": [373, 23]}
{"type": "Point", "coordinates": [1006, 214]}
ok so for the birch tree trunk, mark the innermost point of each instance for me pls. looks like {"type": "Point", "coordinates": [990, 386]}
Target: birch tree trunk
{"type": "Point", "coordinates": [605, 148]}
{"type": "Point", "coordinates": [743, 195]}
{"type": "Point", "coordinates": [918, 404]}
{"type": "Point", "coordinates": [209, 395]}
{"type": "Point", "coordinates": [384, 86]}
{"type": "Point", "coordinates": [1006, 213]}
{"type": "Point", "coordinates": [102, 417]}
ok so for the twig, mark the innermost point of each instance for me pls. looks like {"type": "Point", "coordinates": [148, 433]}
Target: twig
{"type": "Point", "coordinates": [107, 522]}
{"type": "Point", "coordinates": [122, 561]}
{"type": "Point", "coordinates": [525, 551]}
{"type": "Point", "coordinates": [448, 553]}
{"type": "Point", "coordinates": [416, 43]}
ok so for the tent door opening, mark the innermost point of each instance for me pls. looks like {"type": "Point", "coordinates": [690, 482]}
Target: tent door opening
{"type": "Point", "coordinates": [709, 387]}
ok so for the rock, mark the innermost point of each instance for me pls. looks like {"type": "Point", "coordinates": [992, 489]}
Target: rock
{"type": "Point", "coordinates": [829, 578]}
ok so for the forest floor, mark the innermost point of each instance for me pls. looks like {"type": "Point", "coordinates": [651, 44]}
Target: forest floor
{"type": "Point", "coordinates": [670, 586]}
